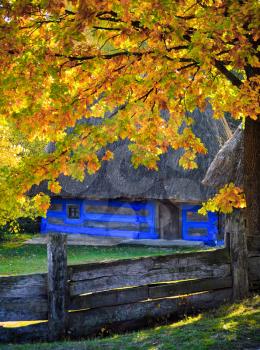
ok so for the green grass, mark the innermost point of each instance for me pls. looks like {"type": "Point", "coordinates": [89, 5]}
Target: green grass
{"type": "Point", "coordinates": [233, 327]}
{"type": "Point", "coordinates": [16, 257]}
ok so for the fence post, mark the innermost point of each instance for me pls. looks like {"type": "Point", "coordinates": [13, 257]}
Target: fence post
{"type": "Point", "coordinates": [238, 253]}
{"type": "Point", "coordinates": [57, 285]}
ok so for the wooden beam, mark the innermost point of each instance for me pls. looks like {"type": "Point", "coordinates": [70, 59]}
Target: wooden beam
{"type": "Point", "coordinates": [138, 314]}
{"type": "Point", "coordinates": [23, 298]}
{"type": "Point", "coordinates": [95, 277]}
{"type": "Point", "coordinates": [23, 309]}
{"type": "Point", "coordinates": [57, 285]}
{"type": "Point", "coordinates": [189, 287]}
{"type": "Point", "coordinates": [145, 293]}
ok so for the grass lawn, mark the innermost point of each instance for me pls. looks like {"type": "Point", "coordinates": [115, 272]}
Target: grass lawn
{"type": "Point", "coordinates": [233, 327]}
{"type": "Point", "coordinates": [16, 257]}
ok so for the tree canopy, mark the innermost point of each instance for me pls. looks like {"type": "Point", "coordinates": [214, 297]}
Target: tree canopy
{"type": "Point", "coordinates": [62, 60]}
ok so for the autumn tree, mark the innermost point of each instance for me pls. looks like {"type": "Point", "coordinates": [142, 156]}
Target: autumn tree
{"type": "Point", "coordinates": [59, 57]}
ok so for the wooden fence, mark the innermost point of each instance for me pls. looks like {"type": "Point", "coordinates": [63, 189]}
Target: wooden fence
{"type": "Point", "coordinates": [89, 299]}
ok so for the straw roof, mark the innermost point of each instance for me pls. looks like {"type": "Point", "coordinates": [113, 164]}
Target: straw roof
{"type": "Point", "coordinates": [118, 178]}
{"type": "Point", "coordinates": [227, 166]}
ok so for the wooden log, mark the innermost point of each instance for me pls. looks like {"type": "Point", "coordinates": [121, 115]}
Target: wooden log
{"type": "Point", "coordinates": [107, 298]}
{"type": "Point", "coordinates": [57, 285]}
{"type": "Point", "coordinates": [189, 287]}
{"type": "Point", "coordinates": [135, 272]}
{"type": "Point", "coordinates": [23, 309]}
{"type": "Point", "coordinates": [239, 255]}
{"type": "Point", "coordinates": [117, 318]}
{"type": "Point", "coordinates": [36, 332]}
{"type": "Point", "coordinates": [131, 295]}
{"type": "Point", "coordinates": [28, 286]}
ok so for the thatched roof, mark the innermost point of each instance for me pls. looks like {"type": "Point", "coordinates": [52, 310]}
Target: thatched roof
{"type": "Point", "coordinates": [118, 179]}
{"type": "Point", "coordinates": [227, 166]}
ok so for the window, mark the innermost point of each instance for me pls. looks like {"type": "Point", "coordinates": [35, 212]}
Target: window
{"type": "Point", "coordinates": [106, 209]}
{"type": "Point", "coordinates": [73, 211]}
{"type": "Point", "coordinates": [196, 217]}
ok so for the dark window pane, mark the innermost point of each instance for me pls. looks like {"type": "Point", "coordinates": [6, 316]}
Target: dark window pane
{"type": "Point", "coordinates": [56, 207]}
{"type": "Point", "coordinates": [194, 216]}
{"type": "Point", "coordinates": [73, 211]}
{"type": "Point", "coordinates": [103, 209]}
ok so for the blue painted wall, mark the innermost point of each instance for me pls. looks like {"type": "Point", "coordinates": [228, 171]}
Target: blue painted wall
{"type": "Point", "coordinates": [136, 220]}
{"type": "Point", "coordinates": [131, 219]}
{"type": "Point", "coordinates": [199, 228]}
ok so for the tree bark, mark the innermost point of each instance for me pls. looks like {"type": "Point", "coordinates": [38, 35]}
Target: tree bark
{"type": "Point", "coordinates": [252, 176]}
{"type": "Point", "coordinates": [236, 243]}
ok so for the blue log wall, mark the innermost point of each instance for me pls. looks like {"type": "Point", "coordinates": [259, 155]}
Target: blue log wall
{"type": "Point", "coordinates": [105, 218]}
{"type": "Point", "coordinates": [117, 218]}
{"type": "Point", "coordinates": [199, 228]}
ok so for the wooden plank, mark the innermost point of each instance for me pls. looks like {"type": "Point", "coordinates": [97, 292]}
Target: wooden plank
{"type": "Point", "coordinates": [23, 286]}
{"type": "Point", "coordinates": [23, 309]}
{"type": "Point", "coordinates": [135, 272]}
{"type": "Point", "coordinates": [131, 295]}
{"type": "Point", "coordinates": [57, 285]}
{"type": "Point", "coordinates": [188, 287]}
{"type": "Point", "coordinates": [126, 317]}
{"type": "Point", "coordinates": [36, 332]}
{"type": "Point", "coordinates": [107, 298]}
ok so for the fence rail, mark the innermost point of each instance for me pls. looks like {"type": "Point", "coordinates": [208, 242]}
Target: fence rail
{"type": "Point", "coordinates": [23, 298]}
{"type": "Point", "coordinates": [83, 300]}
{"type": "Point", "coordinates": [135, 314]}
{"type": "Point", "coordinates": [135, 272]}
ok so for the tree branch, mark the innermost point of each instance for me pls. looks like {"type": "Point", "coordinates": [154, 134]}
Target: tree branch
{"type": "Point", "coordinates": [228, 74]}
{"type": "Point", "coordinates": [125, 53]}
{"type": "Point", "coordinates": [144, 97]}
{"type": "Point", "coordinates": [188, 66]}
{"type": "Point", "coordinates": [181, 59]}
{"type": "Point", "coordinates": [107, 28]}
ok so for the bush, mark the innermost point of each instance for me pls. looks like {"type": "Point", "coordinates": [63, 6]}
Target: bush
{"type": "Point", "coordinates": [22, 225]}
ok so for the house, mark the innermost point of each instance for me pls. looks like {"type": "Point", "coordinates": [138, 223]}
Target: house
{"type": "Point", "coordinates": [139, 203]}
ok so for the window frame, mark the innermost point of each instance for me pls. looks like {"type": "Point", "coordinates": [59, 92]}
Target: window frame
{"type": "Point", "coordinates": [68, 207]}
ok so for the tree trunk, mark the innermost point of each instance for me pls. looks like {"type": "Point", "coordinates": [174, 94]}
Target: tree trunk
{"type": "Point", "coordinates": [252, 177]}
{"type": "Point", "coordinates": [235, 239]}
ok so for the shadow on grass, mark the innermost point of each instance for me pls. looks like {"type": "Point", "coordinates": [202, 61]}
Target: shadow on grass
{"type": "Point", "coordinates": [233, 327]}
